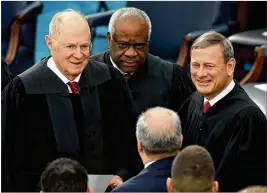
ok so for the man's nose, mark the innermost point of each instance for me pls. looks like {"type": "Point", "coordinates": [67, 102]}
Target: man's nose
{"type": "Point", "coordinates": [201, 72]}
{"type": "Point", "coordinates": [131, 52]}
{"type": "Point", "coordinates": [78, 53]}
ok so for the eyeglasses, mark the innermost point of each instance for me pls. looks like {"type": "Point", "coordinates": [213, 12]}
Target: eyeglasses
{"type": "Point", "coordinates": [73, 47]}
{"type": "Point", "coordinates": [123, 46]}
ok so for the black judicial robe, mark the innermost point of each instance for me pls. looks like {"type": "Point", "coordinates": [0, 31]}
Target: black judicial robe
{"type": "Point", "coordinates": [234, 132]}
{"type": "Point", "coordinates": [157, 83]}
{"type": "Point", "coordinates": [6, 75]}
{"type": "Point", "coordinates": [42, 121]}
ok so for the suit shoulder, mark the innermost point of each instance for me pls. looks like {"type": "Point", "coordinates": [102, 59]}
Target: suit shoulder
{"type": "Point", "coordinates": [134, 184]}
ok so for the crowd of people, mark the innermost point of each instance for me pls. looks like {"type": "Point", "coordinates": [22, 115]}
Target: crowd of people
{"type": "Point", "coordinates": [131, 114]}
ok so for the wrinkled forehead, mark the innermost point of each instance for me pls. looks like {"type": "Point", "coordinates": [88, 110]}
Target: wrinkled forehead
{"type": "Point", "coordinates": [70, 24]}
{"type": "Point", "coordinates": [131, 26]}
{"type": "Point", "coordinates": [207, 54]}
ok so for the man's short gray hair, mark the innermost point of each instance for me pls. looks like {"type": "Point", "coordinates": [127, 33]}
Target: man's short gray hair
{"type": "Point", "coordinates": [212, 38]}
{"type": "Point", "coordinates": [159, 130]}
{"type": "Point", "coordinates": [54, 26]}
{"type": "Point", "coordinates": [126, 13]}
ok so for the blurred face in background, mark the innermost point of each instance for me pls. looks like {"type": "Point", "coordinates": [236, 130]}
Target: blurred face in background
{"type": "Point", "coordinates": [70, 47]}
{"type": "Point", "coordinates": [129, 44]}
{"type": "Point", "coordinates": [209, 72]}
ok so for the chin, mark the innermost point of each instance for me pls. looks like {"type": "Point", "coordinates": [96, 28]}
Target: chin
{"type": "Point", "coordinates": [128, 69]}
{"type": "Point", "coordinates": [204, 92]}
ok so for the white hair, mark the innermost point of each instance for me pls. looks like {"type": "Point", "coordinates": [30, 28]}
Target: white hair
{"type": "Point", "coordinates": [128, 12]}
{"type": "Point", "coordinates": [159, 130]}
{"type": "Point", "coordinates": [54, 26]}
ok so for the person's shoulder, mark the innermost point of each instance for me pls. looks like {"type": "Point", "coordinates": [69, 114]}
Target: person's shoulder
{"type": "Point", "coordinates": [98, 57]}
{"type": "Point", "coordinates": [133, 184]}
{"type": "Point", "coordinates": [109, 73]}
{"type": "Point", "coordinates": [15, 86]}
{"type": "Point", "coordinates": [242, 99]}
{"type": "Point", "coordinates": [244, 106]}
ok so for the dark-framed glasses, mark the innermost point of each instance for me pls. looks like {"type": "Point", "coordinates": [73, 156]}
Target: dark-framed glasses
{"type": "Point", "coordinates": [86, 47]}
{"type": "Point", "coordinates": [123, 46]}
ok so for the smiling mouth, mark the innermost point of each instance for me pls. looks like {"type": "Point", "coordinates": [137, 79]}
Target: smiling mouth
{"type": "Point", "coordinates": [202, 82]}
{"type": "Point", "coordinates": [76, 63]}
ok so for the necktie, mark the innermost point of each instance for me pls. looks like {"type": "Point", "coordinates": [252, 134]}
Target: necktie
{"type": "Point", "coordinates": [127, 76]}
{"type": "Point", "coordinates": [74, 87]}
{"type": "Point", "coordinates": [206, 107]}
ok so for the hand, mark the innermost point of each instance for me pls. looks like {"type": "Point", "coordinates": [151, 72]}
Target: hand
{"type": "Point", "coordinates": [115, 181]}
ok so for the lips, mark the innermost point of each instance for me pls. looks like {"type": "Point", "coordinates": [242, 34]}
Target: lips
{"type": "Point", "coordinates": [129, 64]}
{"type": "Point", "coordinates": [76, 63]}
{"type": "Point", "coordinates": [203, 82]}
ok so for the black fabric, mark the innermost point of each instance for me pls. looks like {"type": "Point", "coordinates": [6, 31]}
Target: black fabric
{"type": "Point", "coordinates": [6, 75]}
{"type": "Point", "coordinates": [29, 142]}
{"type": "Point", "coordinates": [234, 132]}
{"type": "Point", "coordinates": [151, 179]}
{"type": "Point", "coordinates": [60, 108]}
{"type": "Point", "coordinates": [156, 83]}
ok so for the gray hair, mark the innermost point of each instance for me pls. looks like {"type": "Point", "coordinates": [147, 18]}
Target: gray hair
{"type": "Point", "coordinates": [159, 130]}
{"type": "Point", "coordinates": [126, 13]}
{"type": "Point", "coordinates": [54, 26]}
{"type": "Point", "coordinates": [211, 38]}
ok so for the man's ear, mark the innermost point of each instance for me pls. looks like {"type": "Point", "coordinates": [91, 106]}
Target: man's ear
{"type": "Point", "coordinates": [169, 185]}
{"type": "Point", "coordinates": [139, 146]}
{"type": "Point", "coordinates": [215, 186]}
{"type": "Point", "coordinates": [108, 39]}
{"type": "Point", "coordinates": [48, 42]}
{"type": "Point", "coordinates": [231, 67]}
{"type": "Point", "coordinates": [181, 141]}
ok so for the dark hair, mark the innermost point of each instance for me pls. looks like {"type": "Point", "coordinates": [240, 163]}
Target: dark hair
{"type": "Point", "coordinates": [193, 170]}
{"type": "Point", "coordinates": [64, 175]}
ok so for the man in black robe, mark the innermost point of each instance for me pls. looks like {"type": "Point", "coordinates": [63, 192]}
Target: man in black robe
{"type": "Point", "coordinates": [66, 106]}
{"type": "Point", "coordinates": [221, 117]}
{"type": "Point", "coordinates": [152, 81]}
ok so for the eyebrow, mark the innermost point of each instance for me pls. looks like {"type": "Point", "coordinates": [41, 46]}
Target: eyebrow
{"type": "Point", "coordinates": [77, 43]}
{"type": "Point", "coordinates": [206, 63]}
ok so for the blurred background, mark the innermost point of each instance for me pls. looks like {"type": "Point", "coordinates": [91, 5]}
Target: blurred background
{"type": "Point", "coordinates": [175, 25]}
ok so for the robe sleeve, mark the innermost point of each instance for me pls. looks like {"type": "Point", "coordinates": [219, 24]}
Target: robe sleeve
{"type": "Point", "coordinates": [244, 160]}
{"type": "Point", "coordinates": [181, 88]}
{"type": "Point", "coordinates": [12, 134]}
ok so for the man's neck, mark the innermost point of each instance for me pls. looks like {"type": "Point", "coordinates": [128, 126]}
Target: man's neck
{"type": "Point", "coordinates": [155, 157]}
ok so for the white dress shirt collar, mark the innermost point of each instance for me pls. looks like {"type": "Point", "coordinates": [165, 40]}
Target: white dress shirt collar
{"type": "Point", "coordinates": [222, 94]}
{"type": "Point", "coordinates": [149, 163]}
{"type": "Point", "coordinates": [52, 65]}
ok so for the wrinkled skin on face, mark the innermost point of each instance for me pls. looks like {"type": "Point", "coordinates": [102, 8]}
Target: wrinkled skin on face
{"type": "Point", "coordinates": [129, 30]}
{"type": "Point", "coordinates": [209, 72]}
{"type": "Point", "coordinates": [72, 31]}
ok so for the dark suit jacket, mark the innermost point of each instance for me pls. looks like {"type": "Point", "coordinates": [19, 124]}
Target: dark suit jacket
{"type": "Point", "coordinates": [156, 83]}
{"type": "Point", "coordinates": [151, 179]}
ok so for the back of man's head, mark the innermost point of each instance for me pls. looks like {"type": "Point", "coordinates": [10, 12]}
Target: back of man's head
{"type": "Point", "coordinates": [254, 188]}
{"type": "Point", "coordinates": [159, 131]}
{"type": "Point", "coordinates": [64, 175]}
{"type": "Point", "coordinates": [192, 171]}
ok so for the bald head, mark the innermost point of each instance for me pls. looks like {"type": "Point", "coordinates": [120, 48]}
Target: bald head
{"type": "Point", "coordinates": [255, 188]}
{"type": "Point", "coordinates": [159, 130]}
{"type": "Point", "coordinates": [67, 19]}
{"type": "Point", "coordinates": [193, 170]}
